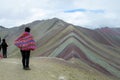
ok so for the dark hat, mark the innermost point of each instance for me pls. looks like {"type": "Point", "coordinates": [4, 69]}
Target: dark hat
{"type": "Point", "coordinates": [27, 29]}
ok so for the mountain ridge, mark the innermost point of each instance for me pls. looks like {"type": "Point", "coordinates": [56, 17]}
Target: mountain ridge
{"type": "Point", "coordinates": [98, 48]}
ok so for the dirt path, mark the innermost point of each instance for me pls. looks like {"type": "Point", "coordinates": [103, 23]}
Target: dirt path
{"type": "Point", "coordinates": [42, 69]}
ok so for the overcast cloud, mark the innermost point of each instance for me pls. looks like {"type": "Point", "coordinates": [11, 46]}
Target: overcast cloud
{"type": "Point", "coordinates": [86, 13]}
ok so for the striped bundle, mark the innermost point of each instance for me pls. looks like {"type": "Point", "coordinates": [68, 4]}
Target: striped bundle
{"type": "Point", "coordinates": [25, 42]}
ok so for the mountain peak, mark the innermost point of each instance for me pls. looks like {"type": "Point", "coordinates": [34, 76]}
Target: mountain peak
{"type": "Point", "coordinates": [56, 18]}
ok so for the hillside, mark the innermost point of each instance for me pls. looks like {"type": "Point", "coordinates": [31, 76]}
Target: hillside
{"type": "Point", "coordinates": [98, 49]}
{"type": "Point", "coordinates": [47, 69]}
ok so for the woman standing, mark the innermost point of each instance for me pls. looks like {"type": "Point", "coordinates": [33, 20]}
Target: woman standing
{"type": "Point", "coordinates": [26, 43]}
{"type": "Point", "coordinates": [0, 44]}
{"type": "Point", "coordinates": [4, 48]}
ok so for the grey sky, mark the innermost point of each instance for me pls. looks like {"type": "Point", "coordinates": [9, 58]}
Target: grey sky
{"type": "Point", "coordinates": [86, 13]}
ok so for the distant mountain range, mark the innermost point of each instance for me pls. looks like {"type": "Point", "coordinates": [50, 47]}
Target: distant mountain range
{"type": "Point", "coordinates": [98, 48]}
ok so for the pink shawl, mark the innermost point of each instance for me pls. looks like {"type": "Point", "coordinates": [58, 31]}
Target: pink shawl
{"type": "Point", "coordinates": [25, 42]}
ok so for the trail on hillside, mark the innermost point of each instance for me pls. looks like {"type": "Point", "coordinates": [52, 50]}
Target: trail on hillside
{"type": "Point", "coordinates": [45, 69]}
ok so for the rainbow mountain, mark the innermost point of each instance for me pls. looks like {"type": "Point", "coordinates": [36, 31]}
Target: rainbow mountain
{"type": "Point", "coordinates": [97, 48]}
